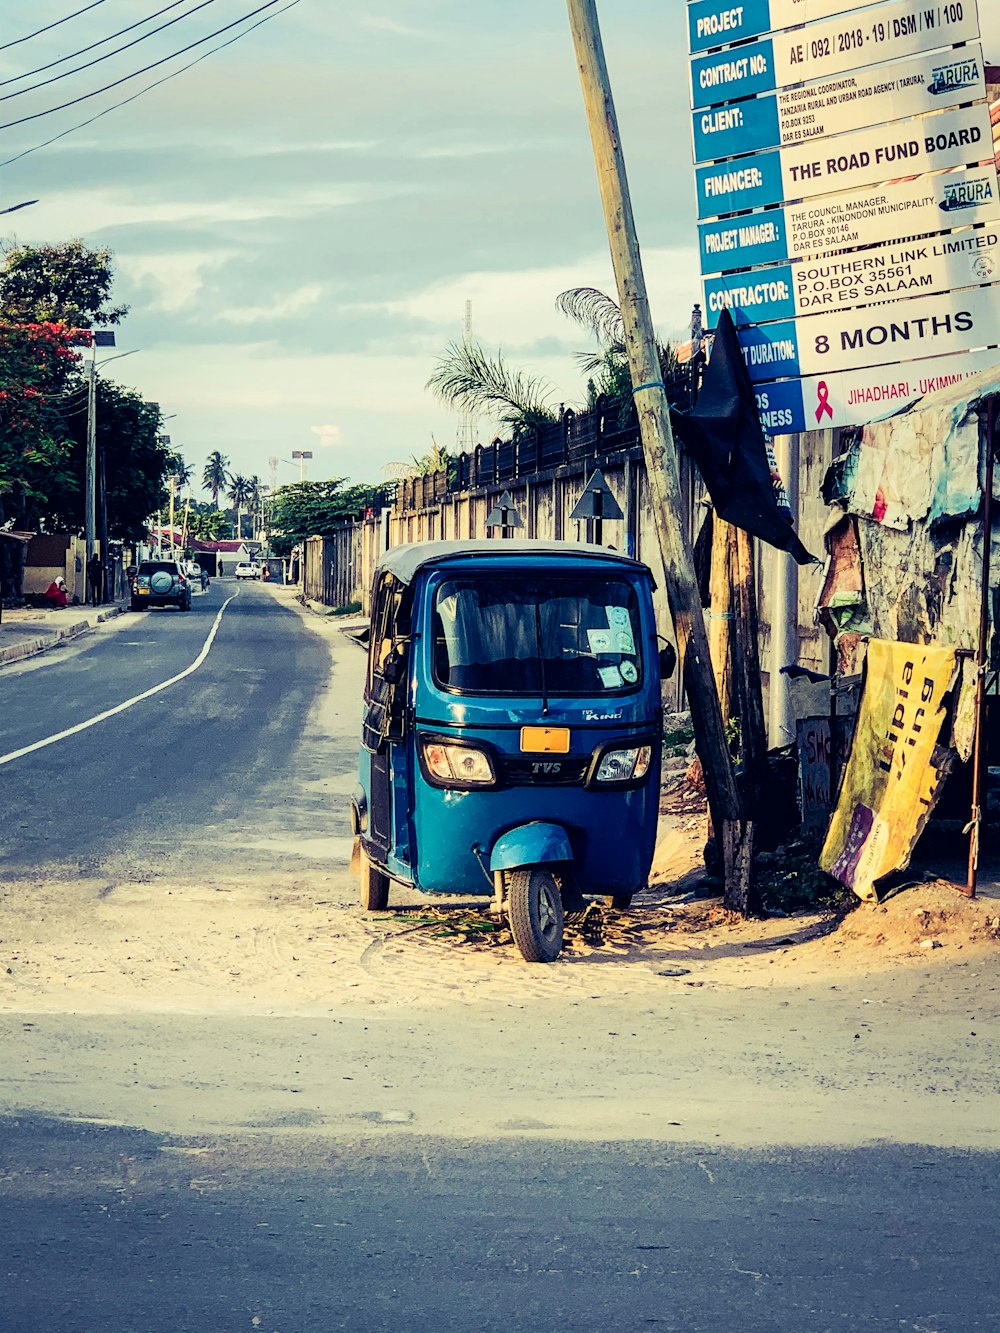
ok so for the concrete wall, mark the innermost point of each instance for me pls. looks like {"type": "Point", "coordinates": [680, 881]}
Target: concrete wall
{"type": "Point", "coordinates": [339, 569]}
{"type": "Point", "coordinates": [52, 554]}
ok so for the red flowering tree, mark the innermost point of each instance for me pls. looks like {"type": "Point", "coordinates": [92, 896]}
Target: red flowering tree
{"type": "Point", "coordinates": [36, 365]}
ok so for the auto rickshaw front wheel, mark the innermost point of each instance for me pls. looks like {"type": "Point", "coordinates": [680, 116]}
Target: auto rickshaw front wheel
{"type": "Point", "coordinates": [374, 886]}
{"type": "Point", "coordinates": [535, 909]}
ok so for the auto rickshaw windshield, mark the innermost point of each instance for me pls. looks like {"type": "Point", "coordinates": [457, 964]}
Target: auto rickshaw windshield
{"type": "Point", "coordinates": [502, 634]}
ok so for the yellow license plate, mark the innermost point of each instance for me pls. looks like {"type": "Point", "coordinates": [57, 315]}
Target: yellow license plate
{"type": "Point", "coordinates": [545, 740]}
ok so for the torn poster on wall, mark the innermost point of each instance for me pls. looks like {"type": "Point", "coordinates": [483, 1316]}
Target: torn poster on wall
{"type": "Point", "coordinates": [896, 766]}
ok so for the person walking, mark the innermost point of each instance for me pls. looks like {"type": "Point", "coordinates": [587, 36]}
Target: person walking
{"type": "Point", "coordinates": [95, 577]}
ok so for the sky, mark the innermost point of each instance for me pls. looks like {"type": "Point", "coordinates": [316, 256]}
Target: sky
{"type": "Point", "coordinates": [298, 220]}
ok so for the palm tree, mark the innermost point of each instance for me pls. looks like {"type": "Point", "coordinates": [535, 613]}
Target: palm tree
{"type": "Point", "coordinates": [215, 475]}
{"type": "Point", "coordinates": [467, 377]}
{"type": "Point", "coordinates": [436, 459]}
{"type": "Point", "coordinates": [180, 471]}
{"type": "Point", "coordinates": [255, 504]}
{"type": "Point", "coordinates": [239, 494]}
{"type": "Point", "coordinates": [608, 368]}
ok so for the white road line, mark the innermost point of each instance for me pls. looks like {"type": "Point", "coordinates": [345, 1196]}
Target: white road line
{"type": "Point", "coordinates": [129, 703]}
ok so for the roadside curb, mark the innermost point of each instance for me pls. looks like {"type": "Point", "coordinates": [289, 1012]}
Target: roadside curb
{"type": "Point", "coordinates": [17, 652]}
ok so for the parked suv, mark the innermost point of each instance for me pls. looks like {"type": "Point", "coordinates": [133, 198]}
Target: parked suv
{"type": "Point", "coordinates": [160, 583]}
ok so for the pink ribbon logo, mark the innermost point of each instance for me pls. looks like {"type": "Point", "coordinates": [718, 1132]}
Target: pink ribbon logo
{"type": "Point", "coordinates": [823, 398]}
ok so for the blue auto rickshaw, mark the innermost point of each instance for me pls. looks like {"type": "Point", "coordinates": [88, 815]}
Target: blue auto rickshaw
{"type": "Point", "coordinates": [511, 730]}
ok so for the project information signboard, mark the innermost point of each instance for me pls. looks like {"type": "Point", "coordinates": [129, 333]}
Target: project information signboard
{"type": "Point", "coordinates": [954, 138]}
{"type": "Point", "coordinates": [840, 105]}
{"type": "Point", "coordinates": [853, 398]}
{"type": "Point", "coordinates": [849, 280]}
{"type": "Point", "coordinates": [825, 132]}
{"type": "Point", "coordinates": [889, 31]}
{"type": "Point", "coordinates": [834, 222]}
{"type": "Point", "coordinates": [921, 326]}
{"type": "Point", "coordinates": [720, 22]}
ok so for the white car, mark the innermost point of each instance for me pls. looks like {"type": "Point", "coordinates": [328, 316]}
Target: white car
{"type": "Point", "coordinates": [245, 570]}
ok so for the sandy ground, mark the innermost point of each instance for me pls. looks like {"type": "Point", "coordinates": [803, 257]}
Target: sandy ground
{"type": "Point", "coordinates": [674, 1019]}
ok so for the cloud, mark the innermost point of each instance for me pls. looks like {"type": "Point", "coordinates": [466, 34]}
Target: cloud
{"type": "Point", "coordinates": [380, 23]}
{"type": "Point", "coordinates": [328, 435]}
{"type": "Point", "coordinates": [283, 307]}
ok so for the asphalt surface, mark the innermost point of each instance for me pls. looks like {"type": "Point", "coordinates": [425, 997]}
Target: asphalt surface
{"type": "Point", "coordinates": [114, 1228]}
{"type": "Point", "coordinates": [124, 1232]}
{"type": "Point", "coordinates": [195, 757]}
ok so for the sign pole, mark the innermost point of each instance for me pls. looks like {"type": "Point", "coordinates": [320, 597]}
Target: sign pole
{"type": "Point", "coordinates": [979, 752]}
{"type": "Point", "coordinates": [658, 446]}
{"type": "Point", "coordinates": [90, 473]}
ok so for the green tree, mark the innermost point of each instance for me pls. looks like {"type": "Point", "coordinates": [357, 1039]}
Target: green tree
{"type": "Point", "coordinates": [136, 464]}
{"type": "Point", "coordinates": [180, 471]}
{"type": "Point", "coordinates": [215, 475]}
{"type": "Point", "coordinates": [62, 284]}
{"type": "Point", "coordinates": [315, 508]}
{"type": "Point", "coordinates": [207, 523]}
{"type": "Point", "coordinates": [36, 389]}
{"type": "Point", "coordinates": [468, 378]}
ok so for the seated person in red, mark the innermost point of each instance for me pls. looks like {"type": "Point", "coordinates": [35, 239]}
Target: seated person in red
{"type": "Point", "coordinates": [55, 593]}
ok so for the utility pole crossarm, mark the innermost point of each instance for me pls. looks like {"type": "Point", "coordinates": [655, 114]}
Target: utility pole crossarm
{"type": "Point", "coordinates": [654, 422]}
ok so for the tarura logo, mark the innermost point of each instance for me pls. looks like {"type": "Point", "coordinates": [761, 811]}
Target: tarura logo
{"type": "Point", "coordinates": [960, 74]}
{"type": "Point", "coordinates": [967, 194]}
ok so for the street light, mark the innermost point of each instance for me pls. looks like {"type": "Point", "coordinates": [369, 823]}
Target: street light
{"type": "Point", "coordinates": [302, 455]}
{"type": "Point", "coordinates": [97, 338]}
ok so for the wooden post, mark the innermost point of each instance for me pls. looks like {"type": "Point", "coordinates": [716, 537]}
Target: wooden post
{"type": "Point", "coordinates": [657, 437]}
{"type": "Point", "coordinates": [733, 636]}
{"type": "Point", "coordinates": [979, 752]}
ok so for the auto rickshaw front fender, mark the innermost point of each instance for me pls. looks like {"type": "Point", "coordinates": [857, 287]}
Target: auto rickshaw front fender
{"type": "Point", "coordinates": [534, 844]}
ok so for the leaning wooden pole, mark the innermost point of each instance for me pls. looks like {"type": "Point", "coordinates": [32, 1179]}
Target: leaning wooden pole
{"type": "Point", "coordinates": [657, 436]}
{"type": "Point", "coordinates": [979, 753]}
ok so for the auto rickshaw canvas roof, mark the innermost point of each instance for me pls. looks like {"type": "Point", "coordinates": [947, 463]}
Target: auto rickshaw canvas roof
{"type": "Point", "coordinates": [404, 562]}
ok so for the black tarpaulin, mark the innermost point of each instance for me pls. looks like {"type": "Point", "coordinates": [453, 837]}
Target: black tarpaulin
{"type": "Point", "coordinates": [723, 434]}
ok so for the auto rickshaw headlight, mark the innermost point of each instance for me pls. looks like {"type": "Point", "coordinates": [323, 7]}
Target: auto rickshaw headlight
{"type": "Point", "coordinates": [629, 765]}
{"type": "Point", "coordinates": [461, 765]}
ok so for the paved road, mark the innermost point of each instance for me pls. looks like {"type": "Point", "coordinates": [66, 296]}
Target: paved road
{"type": "Point", "coordinates": [290, 1221]}
{"type": "Point", "coordinates": [206, 756]}
{"type": "Point", "coordinates": [125, 1232]}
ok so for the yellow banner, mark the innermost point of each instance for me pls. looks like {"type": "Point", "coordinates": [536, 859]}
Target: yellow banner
{"type": "Point", "coordinates": [890, 784]}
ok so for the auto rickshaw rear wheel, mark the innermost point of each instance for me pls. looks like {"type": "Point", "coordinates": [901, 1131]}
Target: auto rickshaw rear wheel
{"type": "Point", "coordinates": [535, 908]}
{"type": "Point", "coordinates": [374, 886]}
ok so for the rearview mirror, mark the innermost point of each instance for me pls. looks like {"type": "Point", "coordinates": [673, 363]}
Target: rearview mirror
{"type": "Point", "coordinates": [668, 660]}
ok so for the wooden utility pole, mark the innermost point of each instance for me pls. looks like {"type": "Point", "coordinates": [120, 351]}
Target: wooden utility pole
{"type": "Point", "coordinates": [733, 634]}
{"type": "Point", "coordinates": [657, 437]}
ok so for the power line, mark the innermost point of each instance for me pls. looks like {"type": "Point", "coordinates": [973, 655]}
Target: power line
{"type": "Point", "coordinates": [28, 74]}
{"type": "Point", "coordinates": [108, 54]}
{"type": "Point", "coordinates": [85, 97]}
{"type": "Point", "coordinates": [38, 32]}
{"type": "Point", "coordinates": [83, 124]}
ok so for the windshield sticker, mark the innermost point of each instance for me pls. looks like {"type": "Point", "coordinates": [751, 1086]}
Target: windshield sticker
{"type": "Point", "coordinates": [620, 622]}
{"type": "Point", "coordinates": [600, 640]}
{"type": "Point", "coordinates": [629, 673]}
{"type": "Point", "coordinates": [611, 677]}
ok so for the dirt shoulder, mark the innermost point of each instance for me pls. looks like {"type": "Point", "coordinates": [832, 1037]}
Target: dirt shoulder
{"type": "Point", "coordinates": [276, 997]}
